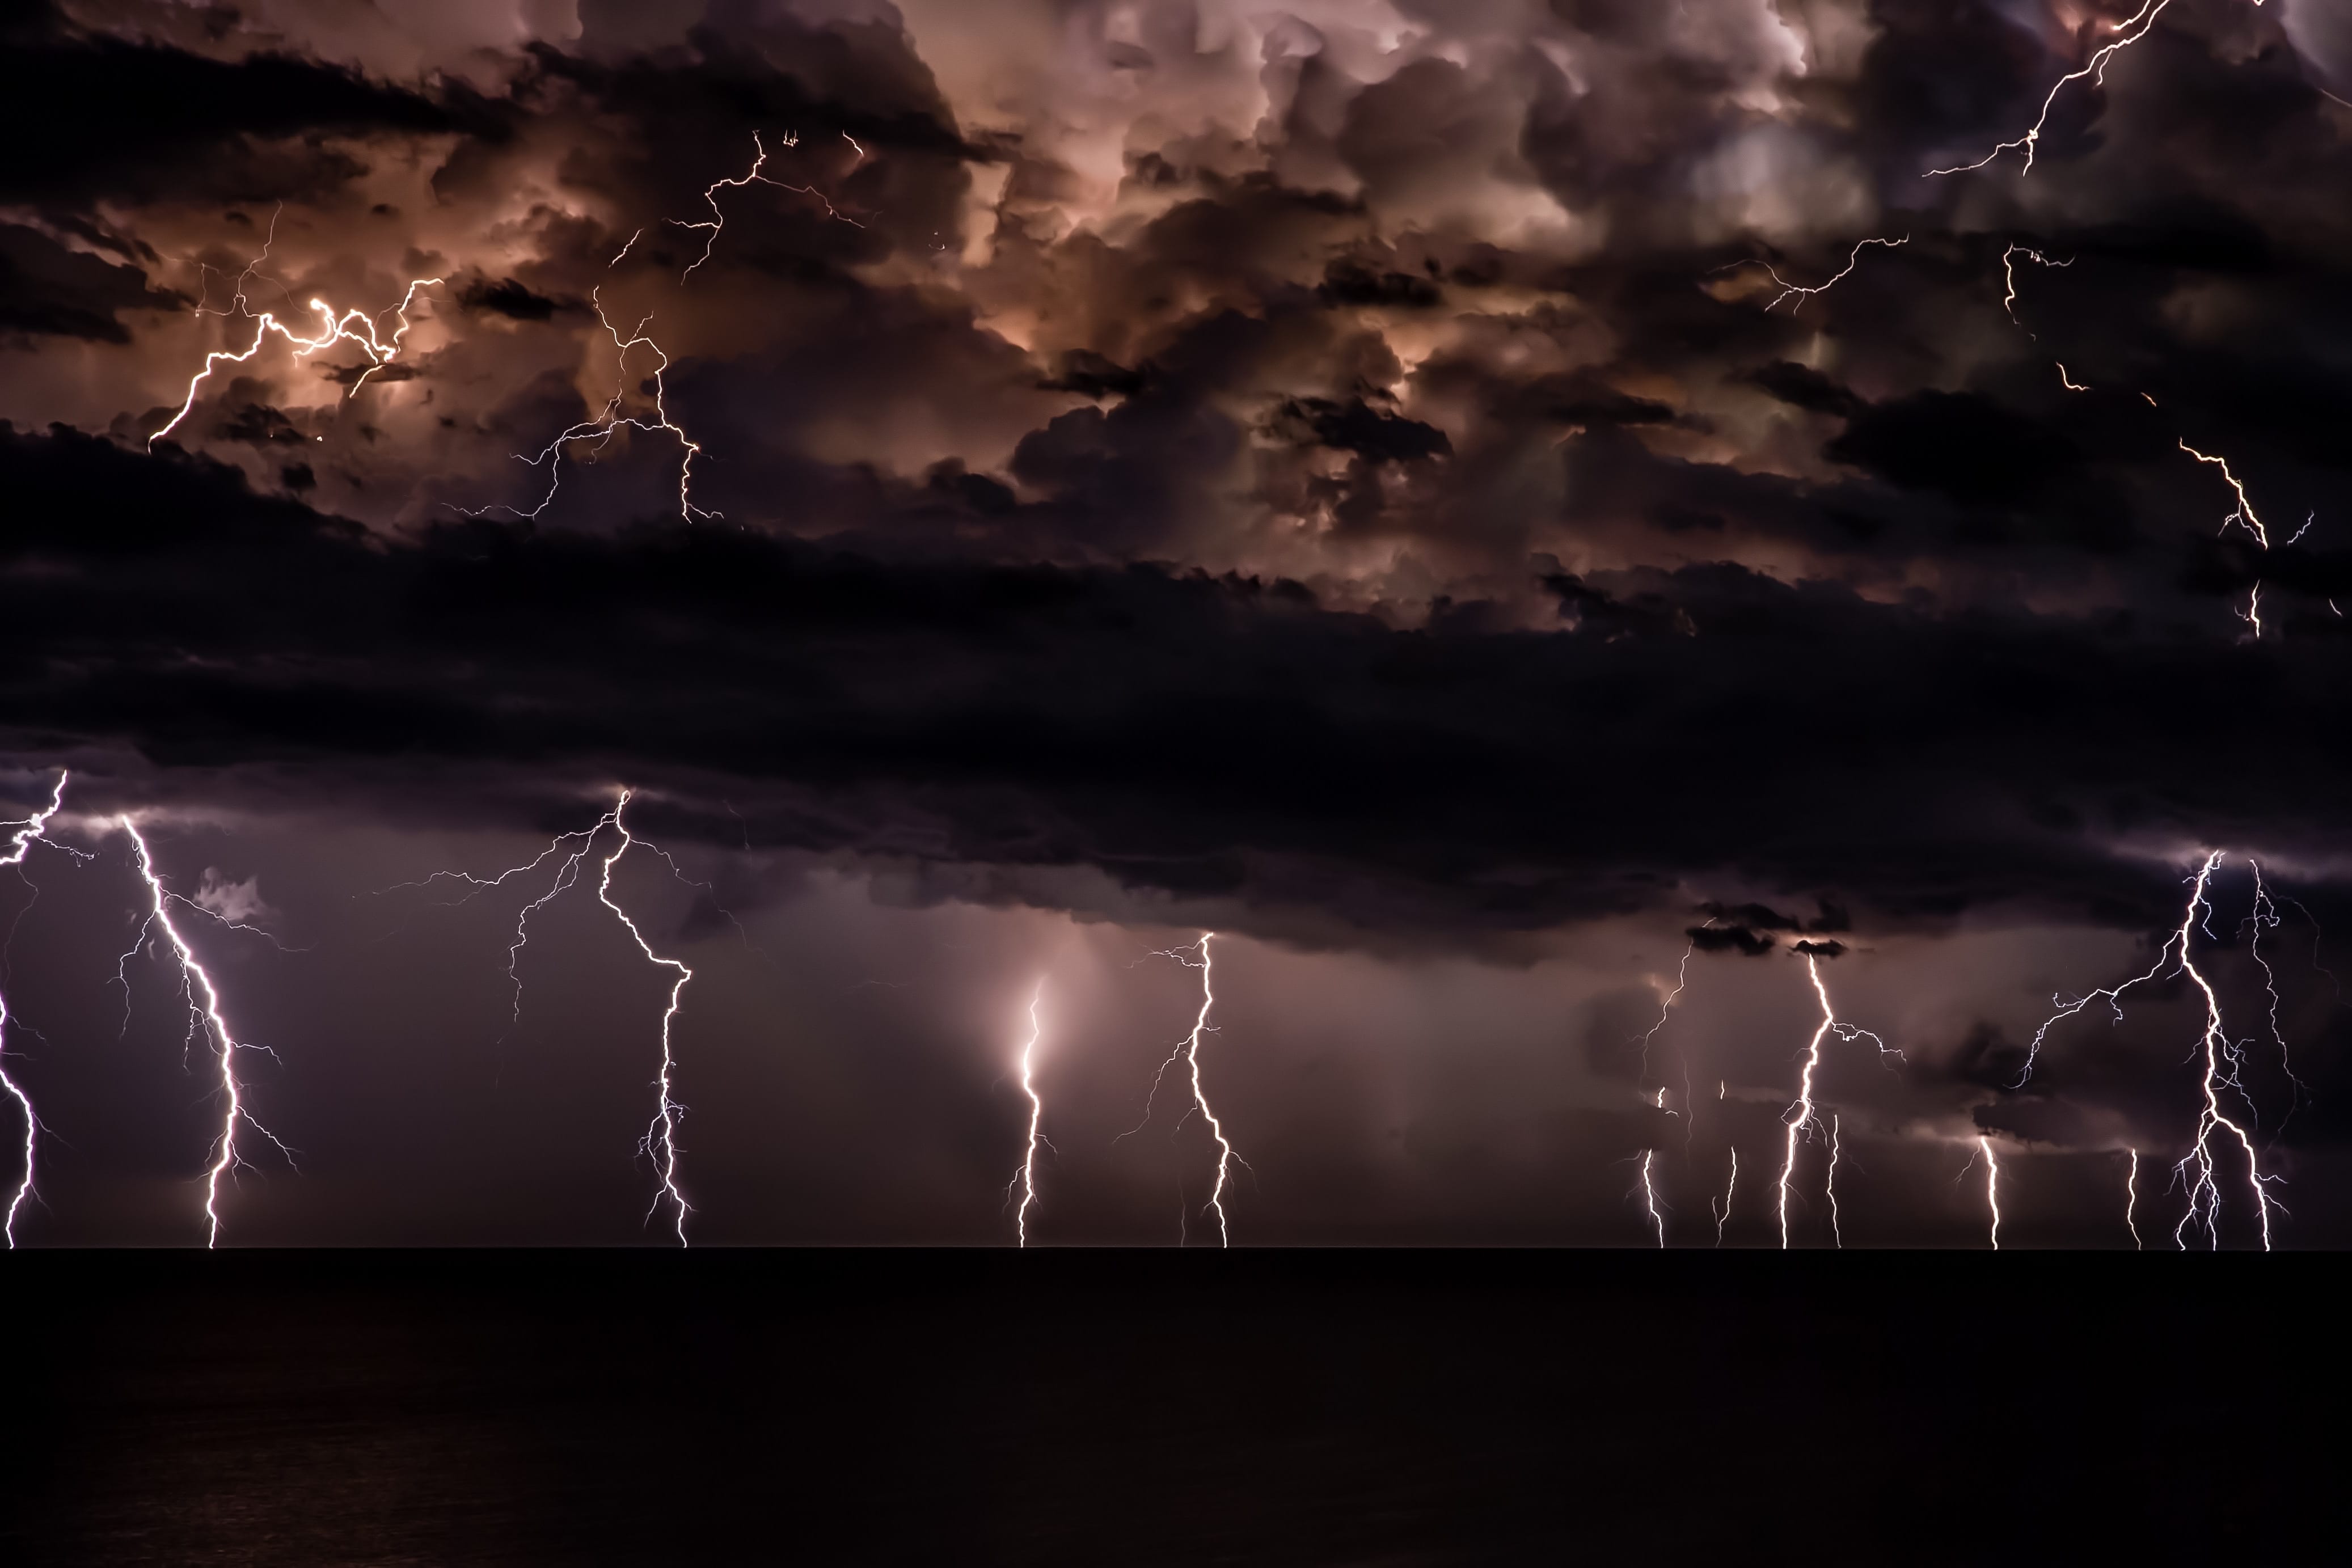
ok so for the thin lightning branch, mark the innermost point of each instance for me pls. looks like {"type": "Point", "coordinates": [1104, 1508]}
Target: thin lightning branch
{"type": "Point", "coordinates": [2195, 1172]}
{"type": "Point", "coordinates": [2068, 381]}
{"type": "Point", "coordinates": [2244, 516]}
{"type": "Point", "coordinates": [752, 176]}
{"type": "Point", "coordinates": [203, 1017]}
{"type": "Point", "coordinates": [1992, 1187]}
{"type": "Point", "coordinates": [1650, 1195]}
{"type": "Point", "coordinates": [660, 1142]}
{"type": "Point", "coordinates": [2128, 33]}
{"type": "Point", "coordinates": [1803, 1116]}
{"type": "Point", "coordinates": [2131, 1200]}
{"type": "Point", "coordinates": [1729, 1188]}
{"type": "Point", "coordinates": [2204, 1193]}
{"type": "Point", "coordinates": [2266, 915]}
{"type": "Point", "coordinates": [599, 432]}
{"type": "Point", "coordinates": [1025, 1179]}
{"type": "Point", "coordinates": [28, 832]}
{"type": "Point", "coordinates": [2008, 275]}
{"type": "Point", "coordinates": [1682, 978]}
{"type": "Point", "coordinates": [1188, 1051]}
{"type": "Point", "coordinates": [1829, 1187]}
{"type": "Point", "coordinates": [353, 326]}
{"type": "Point", "coordinates": [1792, 291]}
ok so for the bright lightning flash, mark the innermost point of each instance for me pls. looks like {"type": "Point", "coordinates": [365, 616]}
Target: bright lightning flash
{"type": "Point", "coordinates": [28, 832]}
{"type": "Point", "coordinates": [204, 1004]}
{"type": "Point", "coordinates": [1802, 1117]}
{"type": "Point", "coordinates": [660, 1142]}
{"type": "Point", "coordinates": [1188, 1051]}
{"type": "Point", "coordinates": [1992, 1186]}
{"type": "Point", "coordinates": [1650, 1194]}
{"type": "Point", "coordinates": [1025, 1179]}
{"type": "Point", "coordinates": [2128, 33]}
{"type": "Point", "coordinates": [1729, 1188]}
{"type": "Point", "coordinates": [352, 326]}
{"type": "Point", "coordinates": [2195, 1170]}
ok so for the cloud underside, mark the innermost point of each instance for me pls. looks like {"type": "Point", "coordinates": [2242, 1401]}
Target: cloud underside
{"type": "Point", "coordinates": [1208, 737]}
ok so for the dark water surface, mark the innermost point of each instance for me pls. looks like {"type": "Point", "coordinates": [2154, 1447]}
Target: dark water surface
{"type": "Point", "coordinates": [319, 1410]}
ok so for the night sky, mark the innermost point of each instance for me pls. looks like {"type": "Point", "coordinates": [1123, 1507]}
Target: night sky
{"type": "Point", "coordinates": [1366, 479]}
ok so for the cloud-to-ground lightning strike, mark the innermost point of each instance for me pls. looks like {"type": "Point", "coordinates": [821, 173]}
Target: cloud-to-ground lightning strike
{"type": "Point", "coordinates": [203, 1017]}
{"type": "Point", "coordinates": [1025, 1179]}
{"type": "Point", "coordinates": [28, 832]}
{"type": "Point", "coordinates": [2128, 33]}
{"type": "Point", "coordinates": [660, 1142]}
{"type": "Point", "coordinates": [1992, 1187]}
{"type": "Point", "coordinates": [1723, 1215]}
{"type": "Point", "coordinates": [598, 433]}
{"type": "Point", "coordinates": [2131, 1199]}
{"type": "Point", "coordinates": [1802, 1113]}
{"type": "Point", "coordinates": [752, 176]}
{"type": "Point", "coordinates": [1829, 1186]}
{"type": "Point", "coordinates": [1650, 1195]}
{"type": "Point", "coordinates": [1188, 1051]}
{"type": "Point", "coordinates": [353, 326]}
{"type": "Point", "coordinates": [1792, 291]}
{"type": "Point", "coordinates": [2195, 1170]}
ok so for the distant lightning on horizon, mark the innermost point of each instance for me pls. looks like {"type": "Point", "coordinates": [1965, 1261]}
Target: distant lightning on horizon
{"type": "Point", "coordinates": [660, 1144]}
{"type": "Point", "coordinates": [1802, 1116]}
{"type": "Point", "coordinates": [1188, 1051]}
{"type": "Point", "coordinates": [1025, 1179]}
{"type": "Point", "coordinates": [28, 832]}
{"type": "Point", "coordinates": [204, 1020]}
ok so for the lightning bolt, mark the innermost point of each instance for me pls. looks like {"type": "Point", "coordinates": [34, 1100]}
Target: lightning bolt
{"type": "Point", "coordinates": [1992, 1187]}
{"type": "Point", "coordinates": [1025, 1179]}
{"type": "Point", "coordinates": [1729, 1188]}
{"type": "Point", "coordinates": [752, 176]}
{"type": "Point", "coordinates": [28, 832]}
{"type": "Point", "coordinates": [1792, 291]}
{"type": "Point", "coordinates": [1829, 1187]}
{"type": "Point", "coordinates": [2195, 1170]}
{"type": "Point", "coordinates": [204, 1018]}
{"type": "Point", "coordinates": [2204, 1193]}
{"type": "Point", "coordinates": [598, 433]}
{"type": "Point", "coordinates": [2131, 1199]}
{"type": "Point", "coordinates": [660, 1142]}
{"type": "Point", "coordinates": [2128, 33]}
{"type": "Point", "coordinates": [2265, 914]}
{"type": "Point", "coordinates": [1188, 1051]}
{"type": "Point", "coordinates": [2244, 516]}
{"type": "Point", "coordinates": [1650, 1195]}
{"type": "Point", "coordinates": [353, 326]}
{"type": "Point", "coordinates": [1802, 1116]}
{"type": "Point", "coordinates": [2009, 299]}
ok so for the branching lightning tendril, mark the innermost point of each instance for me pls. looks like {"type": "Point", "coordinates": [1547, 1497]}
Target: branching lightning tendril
{"type": "Point", "coordinates": [28, 832]}
{"type": "Point", "coordinates": [204, 1020]}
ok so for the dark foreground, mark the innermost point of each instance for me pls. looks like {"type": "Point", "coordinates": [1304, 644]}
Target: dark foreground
{"type": "Point", "coordinates": [1122, 1408]}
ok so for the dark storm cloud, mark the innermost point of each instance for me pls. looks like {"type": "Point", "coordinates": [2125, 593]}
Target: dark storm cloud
{"type": "Point", "coordinates": [48, 291]}
{"type": "Point", "coordinates": [1212, 737]}
{"type": "Point", "coordinates": [115, 119]}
